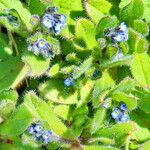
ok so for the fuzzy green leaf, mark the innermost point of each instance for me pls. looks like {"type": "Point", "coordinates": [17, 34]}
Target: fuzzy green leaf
{"type": "Point", "coordinates": [18, 122]}
{"type": "Point", "coordinates": [5, 51]}
{"type": "Point", "coordinates": [96, 9]}
{"type": "Point", "coordinates": [9, 94]}
{"type": "Point", "coordinates": [62, 111]}
{"type": "Point", "coordinates": [45, 113]}
{"type": "Point", "coordinates": [119, 131]}
{"type": "Point", "coordinates": [139, 69]}
{"type": "Point", "coordinates": [143, 101]}
{"type": "Point", "coordinates": [98, 120]}
{"type": "Point", "coordinates": [134, 10]}
{"type": "Point", "coordinates": [82, 68]}
{"type": "Point", "coordinates": [127, 99]}
{"type": "Point", "coordinates": [37, 64]}
{"type": "Point", "coordinates": [141, 27]}
{"type": "Point", "coordinates": [99, 148]}
{"type": "Point", "coordinates": [34, 9]}
{"type": "Point", "coordinates": [14, 71]}
{"type": "Point", "coordinates": [105, 23]}
{"type": "Point", "coordinates": [145, 146]}
{"type": "Point", "coordinates": [136, 42]}
{"type": "Point", "coordinates": [85, 32]}
{"type": "Point", "coordinates": [54, 90]}
{"type": "Point", "coordinates": [102, 84]}
{"type": "Point", "coordinates": [126, 86]}
{"type": "Point", "coordinates": [147, 10]}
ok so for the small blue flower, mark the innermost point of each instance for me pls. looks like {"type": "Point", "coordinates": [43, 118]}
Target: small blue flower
{"type": "Point", "coordinates": [41, 46]}
{"type": "Point", "coordinates": [118, 34]}
{"type": "Point", "coordinates": [31, 129]}
{"type": "Point", "coordinates": [124, 118]}
{"type": "Point", "coordinates": [123, 107]}
{"type": "Point", "coordinates": [46, 137]}
{"type": "Point", "coordinates": [52, 9]}
{"type": "Point", "coordinates": [116, 113]}
{"type": "Point", "coordinates": [36, 129]}
{"type": "Point", "coordinates": [53, 21]}
{"type": "Point", "coordinates": [68, 81]}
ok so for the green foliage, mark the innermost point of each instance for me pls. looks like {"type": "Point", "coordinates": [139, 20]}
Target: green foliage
{"type": "Point", "coordinates": [103, 71]}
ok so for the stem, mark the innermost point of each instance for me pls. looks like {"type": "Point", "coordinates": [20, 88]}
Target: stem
{"type": "Point", "coordinates": [12, 41]}
{"type": "Point", "coordinates": [127, 144]}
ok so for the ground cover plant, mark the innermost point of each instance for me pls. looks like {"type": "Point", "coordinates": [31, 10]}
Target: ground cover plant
{"type": "Point", "coordinates": [74, 75]}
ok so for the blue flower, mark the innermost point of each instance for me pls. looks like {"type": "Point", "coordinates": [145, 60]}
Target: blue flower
{"type": "Point", "coordinates": [54, 22]}
{"type": "Point", "coordinates": [41, 46]}
{"type": "Point", "coordinates": [46, 137]}
{"type": "Point", "coordinates": [123, 107]}
{"type": "Point", "coordinates": [35, 129]}
{"type": "Point", "coordinates": [119, 114]}
{"type": "Point", "coordinates": [124, 118]}
{"type": "Point", "coordinates": [68, 81]}
{"type": "Point", "coordinates": [118, 34]}
{"type": "Point", "coordinates": [116, 113]}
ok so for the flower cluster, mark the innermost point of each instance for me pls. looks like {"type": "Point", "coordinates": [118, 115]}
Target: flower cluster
{"type": "Point", "coordinates": [41, 46]}
{"type": "Point", "coordinates": [120, 114]}
{"type": "Point", "coordinates": [37, 130]}
{"type": "Point", "coordinates": [118, 34]}
{"type": "Point", "coordinates": [53, 21]}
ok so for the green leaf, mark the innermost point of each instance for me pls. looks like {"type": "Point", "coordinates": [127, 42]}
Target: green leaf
{"type": "Point", "coordinates": [9, 94]}
{"type": "Point", "coordinates": [126, 86]}
{"type": "Point", "coordinates": [141, 27]}
{"type": "Point", "coordinates": [17, 143]}
{"type": "Point", "coordinates": [14, 71]}
{"type": "Point", "coordinates": [45, 113]}
{"type": "Point", "coordinates": [85, 92]}
{"type": "Point", "coordinates": [37, 64]}
{"type": "Point", "coordinates": [37, 10]}
{"type": "Point", "coordinates": [98, 119]}
{"type": "Point", "coordinates": [136, 42]}
{"type": "Point", "coordinates": [54, 70]}
{"type": "Point", "coordinates": [130, 100]}
{"type": "Point", "coordinates": [134, 10]}
{"type": "Point", "coordinates": [54, 90]}
{"type": "Point", "coordinates": [124, 3]}
{"type": "Point", "coordinates": [85, 32]}
{"type": "Point", "coordinates": [147, 10]}
{"type": "Point", "coordinates": [62, 111]}
{"type": "Point", "coordinates": [105, 23]}
{"type": "Point", "coordinates": [5, 51]}
{"type": "Point", "coordinates": [96, 9]}
{"type": "Point", "coordinates": [139, 69]}
{"type": "Point", "coordinates": [17, 123]}
{"type": "Point", "coordinates": [116, 61]}
{"type": "Point", "coordinates": [143, 101]}
{"type": "Point", "coordinates": [145, 146]}
{"type": "Point", "coordinates": [82, 68]}
{"type": "Point", "coordinates": [118, 132]}
{"type": "Point", "coordinates": [98, 147]}
{"type": "Point", "coordinates": [101, 85]}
